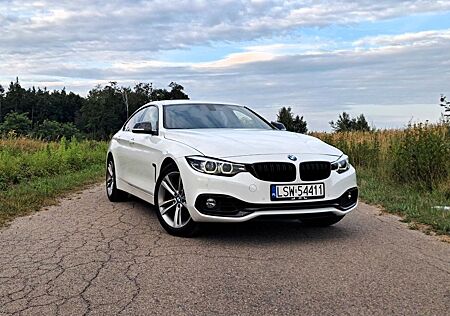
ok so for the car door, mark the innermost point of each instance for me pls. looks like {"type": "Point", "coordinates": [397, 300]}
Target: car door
{"type": "Point", "coordinates": [147, 151]}
{"type": "Point", "coordinates": [125, 148]}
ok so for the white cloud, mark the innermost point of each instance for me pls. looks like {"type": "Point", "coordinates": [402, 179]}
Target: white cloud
{"type": "Point", "coordinates": [237, 59]}
{"type": "Point", "coordinates": [418, 38]}
{"type": "Point", "coordinates": [52, 18]}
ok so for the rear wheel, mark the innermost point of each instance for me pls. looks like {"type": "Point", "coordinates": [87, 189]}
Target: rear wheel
{"type": "Point", "coordinates": [170, 201]}
{"type": "Point", "coordinates": [114, 194]}
{"type": "Point", "coordinates": [322, 221]}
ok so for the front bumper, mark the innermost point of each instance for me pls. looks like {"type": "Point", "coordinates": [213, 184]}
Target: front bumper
{"type": "Point", "coordinates": [250, 196]}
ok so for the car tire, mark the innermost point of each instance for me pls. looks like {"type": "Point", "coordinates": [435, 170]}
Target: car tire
{"type": "Point", "coordinates": [322, 221]}
{"type": "Point", "coordinates": [170, 203]}
{"type": "Point", "coordinates": [113, 193]}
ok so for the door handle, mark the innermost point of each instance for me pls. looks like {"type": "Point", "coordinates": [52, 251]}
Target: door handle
{"type": "Point", "coordinates": [132, 141]}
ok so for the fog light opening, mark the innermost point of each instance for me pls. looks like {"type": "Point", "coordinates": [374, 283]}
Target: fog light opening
{"type": "Point", "coordinates": [211, 203]}
{"type": "Point", "coordinates": [349, 198]}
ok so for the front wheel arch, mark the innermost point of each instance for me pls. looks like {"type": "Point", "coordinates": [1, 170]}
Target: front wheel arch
{"type": "Point", "coordinates": [167, 162]}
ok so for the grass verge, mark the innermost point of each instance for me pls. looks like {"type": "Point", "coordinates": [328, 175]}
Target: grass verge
{"type": "Point", "coordinates": [415, 205]}
{"type": "Point", "coordinates": [27, 197]}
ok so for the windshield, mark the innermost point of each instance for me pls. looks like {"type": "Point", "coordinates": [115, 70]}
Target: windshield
{"type": "Point", "coordinates": [190, 116]}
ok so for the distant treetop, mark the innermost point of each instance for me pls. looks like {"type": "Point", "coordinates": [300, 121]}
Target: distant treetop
{"type": "Point", "coordinates": [293, 124]}
{"type": "Point", "coordinates": [346, 124]}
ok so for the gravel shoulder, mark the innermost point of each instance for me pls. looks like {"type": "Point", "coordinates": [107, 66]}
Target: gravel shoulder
{"type": "Point", "coordinates": [89, 256]}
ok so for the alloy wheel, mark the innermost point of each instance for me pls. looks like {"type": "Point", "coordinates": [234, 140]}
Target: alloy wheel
{"type": "Point", "coordinates": [172, 201]}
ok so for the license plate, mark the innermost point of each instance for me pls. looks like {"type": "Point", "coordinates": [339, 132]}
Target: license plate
{"type": "Point", "coordinates": [297, 191]}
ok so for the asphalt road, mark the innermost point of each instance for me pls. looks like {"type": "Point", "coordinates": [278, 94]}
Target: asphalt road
{"type": "Point", "coordinates": [89, 256]}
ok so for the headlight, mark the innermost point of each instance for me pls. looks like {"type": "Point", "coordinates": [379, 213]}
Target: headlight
{"type": "Point", "coordinates": [215, 166]}
{"type": "Point", "coordinates": [341, 165]}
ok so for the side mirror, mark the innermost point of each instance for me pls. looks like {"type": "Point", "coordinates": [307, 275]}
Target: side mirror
{"type": "Point", "coordinates": [144, 128]}
{"type": "Point", "coordinates": [278, 125]}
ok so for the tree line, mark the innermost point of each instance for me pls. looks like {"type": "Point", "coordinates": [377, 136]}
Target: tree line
{"type": "Point", "coordinates": [53, 114]}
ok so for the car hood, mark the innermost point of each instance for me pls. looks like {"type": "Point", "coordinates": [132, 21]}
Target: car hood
{"type": "Point", "coordinates": [226, 143]}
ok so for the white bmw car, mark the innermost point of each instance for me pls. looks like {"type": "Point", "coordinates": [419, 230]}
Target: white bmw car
{"type": "Point", "coordinates": [203, 162]}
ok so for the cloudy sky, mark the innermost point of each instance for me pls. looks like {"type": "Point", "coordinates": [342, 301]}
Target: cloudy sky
{"type": "Point", "coordinates": [388, 59]}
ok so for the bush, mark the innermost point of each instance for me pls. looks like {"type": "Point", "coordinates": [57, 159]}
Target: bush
{"type": "Point", "coordinates": [17, 123]}
{"type": "Point", "coordinates": [52, 130]}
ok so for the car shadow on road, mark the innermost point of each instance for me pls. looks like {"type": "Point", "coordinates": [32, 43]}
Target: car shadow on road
{"type": "Point", "coordinates": [266, 230]}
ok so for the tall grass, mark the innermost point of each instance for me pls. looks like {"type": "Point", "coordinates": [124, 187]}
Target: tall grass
{"type": "Point", "coordinates": [407, 170]}
{"type": "Point", "coordinates": [41, 170]}
{"type": "Point", "coordinates": [24, 159]}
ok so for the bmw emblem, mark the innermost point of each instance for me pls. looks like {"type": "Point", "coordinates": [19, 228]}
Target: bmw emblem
{"type": "Point", "coordinates": [292, 157]}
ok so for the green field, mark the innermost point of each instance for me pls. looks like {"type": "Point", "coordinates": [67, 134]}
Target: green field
{"type": "Point", "coordinates": [33, 173]}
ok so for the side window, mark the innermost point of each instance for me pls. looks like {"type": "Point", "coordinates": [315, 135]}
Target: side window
{"type": "Point", "coordinates": [136, 118]}
{"type": "Point", "coordinates": [151, 115]}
